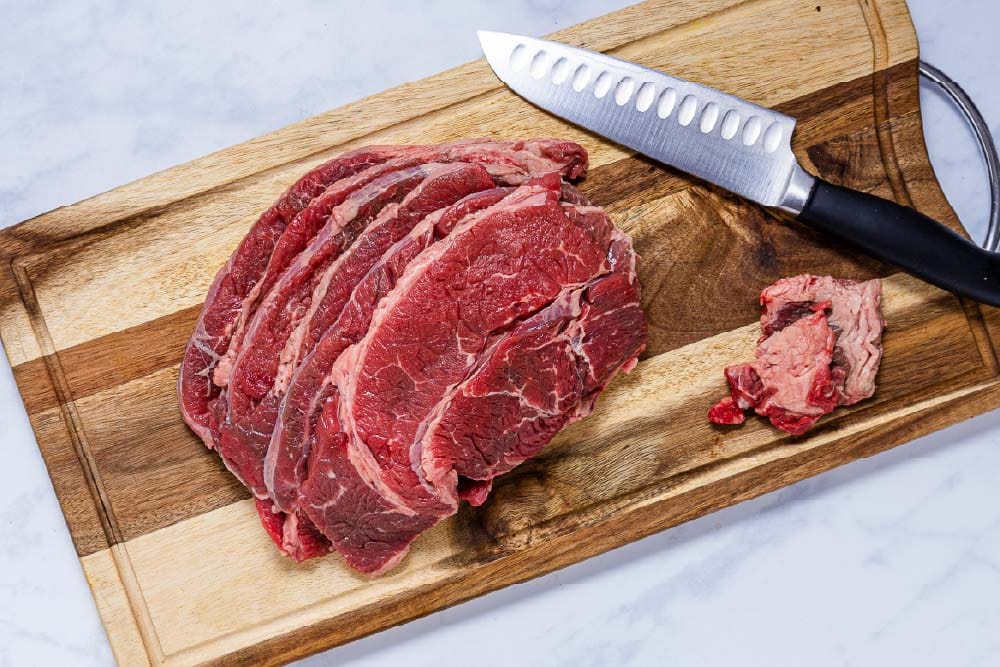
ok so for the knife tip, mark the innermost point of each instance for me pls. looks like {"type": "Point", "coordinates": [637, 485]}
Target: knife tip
{"type": "Point", "coordinates": [484, 36]}
{"type": "Point", "coordinates": [488, 43]}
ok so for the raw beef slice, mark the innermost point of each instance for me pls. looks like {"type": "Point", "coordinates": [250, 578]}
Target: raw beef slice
{"type": "Point", "coordinates": [820, 348]}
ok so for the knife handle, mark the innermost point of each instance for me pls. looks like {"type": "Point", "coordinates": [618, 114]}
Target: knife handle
{"type": "Point", "coordinates": [910, 240]}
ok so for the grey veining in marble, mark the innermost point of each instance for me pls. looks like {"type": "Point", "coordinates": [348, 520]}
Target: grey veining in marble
{"type": "Point", "coordinates": [892, 560]}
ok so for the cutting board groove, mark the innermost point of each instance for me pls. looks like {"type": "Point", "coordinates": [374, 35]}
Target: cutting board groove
{"type": "Point", "coordinates": [97, 300]}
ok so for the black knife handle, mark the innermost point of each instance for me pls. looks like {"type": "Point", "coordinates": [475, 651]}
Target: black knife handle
{"type": "Point", "coordinates": [910, 240]}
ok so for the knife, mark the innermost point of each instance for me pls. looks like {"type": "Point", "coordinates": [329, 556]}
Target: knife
{"type": "Point", "coordinates": [734, 144]}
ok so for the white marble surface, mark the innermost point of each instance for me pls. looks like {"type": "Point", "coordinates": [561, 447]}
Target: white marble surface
{"type": "Point", "coordinates": [893, 560]}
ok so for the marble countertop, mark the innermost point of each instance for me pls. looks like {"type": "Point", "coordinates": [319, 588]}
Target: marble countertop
{"type": "Point", "coordinates": [890, 560]}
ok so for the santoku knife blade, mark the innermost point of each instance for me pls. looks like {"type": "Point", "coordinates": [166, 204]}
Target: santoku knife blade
{"type": "Point", "coordinates": [737, 145]}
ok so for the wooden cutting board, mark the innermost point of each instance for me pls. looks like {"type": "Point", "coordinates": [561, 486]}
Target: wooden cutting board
{"type": "Point", "coordinates": [97, 300]}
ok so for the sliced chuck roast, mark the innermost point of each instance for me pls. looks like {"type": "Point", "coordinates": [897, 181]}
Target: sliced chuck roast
{"type": "Point", "coordinates": [404, 325]}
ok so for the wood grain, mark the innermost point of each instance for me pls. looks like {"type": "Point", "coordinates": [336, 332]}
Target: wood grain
{"type": "Point", "coordinates": [97, 300]}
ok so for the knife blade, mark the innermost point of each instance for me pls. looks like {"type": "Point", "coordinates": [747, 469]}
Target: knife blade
{"type": "Point", "coordinates": [734, 144]}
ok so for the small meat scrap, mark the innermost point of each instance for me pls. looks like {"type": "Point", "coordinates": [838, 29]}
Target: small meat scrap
{"type": "Point", "coordinates": [821, 347]}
